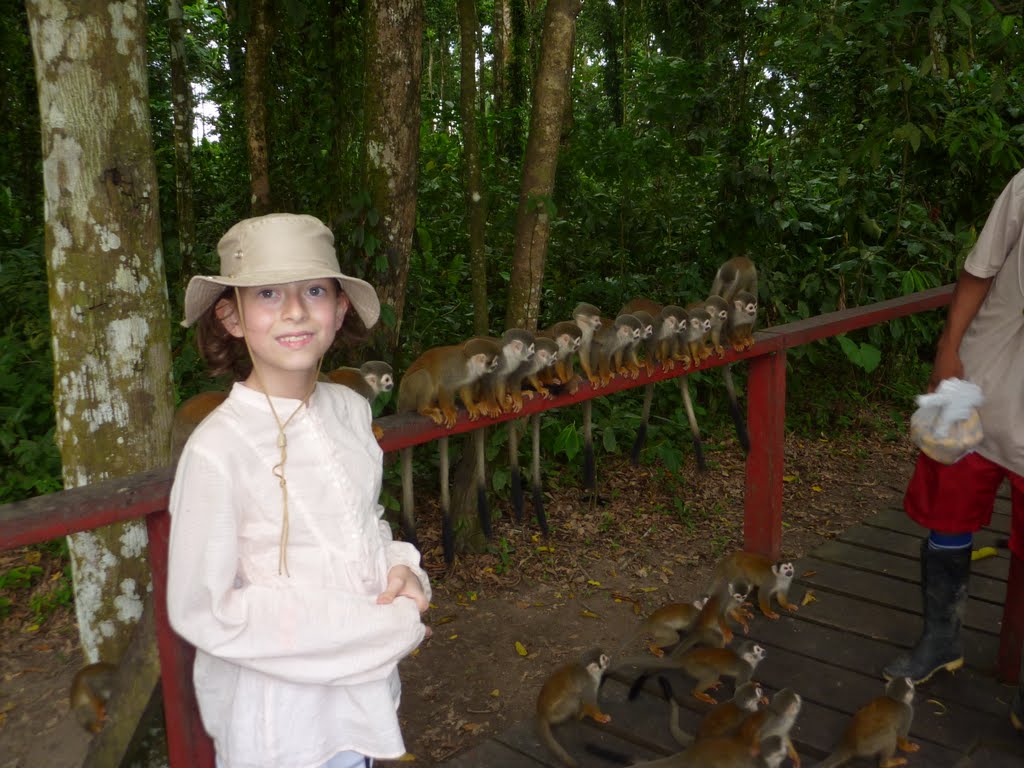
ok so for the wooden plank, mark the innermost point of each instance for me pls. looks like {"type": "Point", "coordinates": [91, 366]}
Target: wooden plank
{"type": "Point", "coordinates": [896, 627]}
{"type": "Point", "coordinates": [953, 726]}
{"type": "Point", "coordinates": [861, 654]}
{"type": "Point", "coordinates": [910, 546]}
{"type": "Point", "coordinates": [980, 587]}
{"type": "Point", "coordinates": [574, 736]}
{"type": "Point", "coordinates": [832, 578]}
{"type": "Point", "coordinates": [896, 520]}
{"type": "Point", "coordinates": [491, 752]}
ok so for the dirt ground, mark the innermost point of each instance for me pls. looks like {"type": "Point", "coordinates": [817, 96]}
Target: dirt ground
{"type": "Point", "coordinates": [502, 621]}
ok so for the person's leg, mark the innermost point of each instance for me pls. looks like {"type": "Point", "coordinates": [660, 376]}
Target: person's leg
{"type": "Point", "coordinates": [953, 501]}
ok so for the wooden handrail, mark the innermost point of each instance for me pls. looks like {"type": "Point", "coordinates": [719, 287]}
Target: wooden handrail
{"type": "Point", "coordinates": [146, 494]}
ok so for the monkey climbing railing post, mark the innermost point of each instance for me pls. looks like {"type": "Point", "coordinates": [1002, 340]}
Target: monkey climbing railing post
{"type": "Point", "coordinates": [766, 420]}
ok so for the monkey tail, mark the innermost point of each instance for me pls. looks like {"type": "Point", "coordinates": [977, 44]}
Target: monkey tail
{"type": "Point", "coordinates": [516, 480]}
{"type": "Point", "coordinates": [682, 738]}
{"type": "Point", "coordinates": [641, 433]}
{"type": "Point", "coordinates": [589, 478]}
{"type": "Point", "coordinates": [447, 529]}
{"type": "Point", "coordinates": [544, 730]}
{"type": "Point", "coordinates": [408, 509]}
{"type": "Point", "coordinates": [734, 408]}
{"type": "Point", "coordinates": [698, 446]}
{"type": "Point", "coordinates": [538, 491]}
{"type": "Point", "coordinates": [482, 507]}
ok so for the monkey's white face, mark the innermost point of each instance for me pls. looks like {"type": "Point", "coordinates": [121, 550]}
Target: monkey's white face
{"type": "Point", "coordinates": [387, 383]}
{"type": "Point", "coordinates": [648, 331]}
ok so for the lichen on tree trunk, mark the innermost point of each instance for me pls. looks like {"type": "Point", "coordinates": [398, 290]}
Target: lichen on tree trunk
{"type": "Point", "coordinates": [391, 104]}
{"type": "Point", "coordinates": [108, 293]}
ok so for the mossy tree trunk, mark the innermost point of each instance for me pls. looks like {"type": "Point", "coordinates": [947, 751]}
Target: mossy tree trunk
{"type": "Point", "coordinates": [108, 291]}
{"type": "Point", "coordinates": [391, 105]}
{"type": "Point", "coordinates": [550, 94]}
{"type": "Point", "coordinates": [181, 109]}
{"type": "Point", "coordinates": [257, 57]}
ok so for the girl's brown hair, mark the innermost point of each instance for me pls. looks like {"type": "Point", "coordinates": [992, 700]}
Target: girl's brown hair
{"type": "Point", "coordinates": [227, 354]}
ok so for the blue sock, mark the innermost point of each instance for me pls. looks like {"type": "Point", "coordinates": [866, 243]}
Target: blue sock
{"type": "Point", "coordinates": [938, 540]}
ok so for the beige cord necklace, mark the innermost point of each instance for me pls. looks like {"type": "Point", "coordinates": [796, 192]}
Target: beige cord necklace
{"type": "Point", "coordinates": [282, 440]}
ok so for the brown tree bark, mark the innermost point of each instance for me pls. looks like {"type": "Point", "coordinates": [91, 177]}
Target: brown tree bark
{"type": "Point", "coordinates": [394, 63]}
{"type": "Point", "coordinates": [108, 290]}
{"type": "Point", "coordinates": [181, 108]}
{"type": "Point", "coordinates": [501, 32]}
{"type": "Point", "coordinates": [551, 91]}
{"type": "Point", "coordinates": [476, 210]}
{"type": "Point", "coordinates": [254, 90]}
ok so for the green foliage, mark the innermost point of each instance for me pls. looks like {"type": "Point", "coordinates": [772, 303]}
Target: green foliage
{"type": "Point", "coordinates": [29, 461]}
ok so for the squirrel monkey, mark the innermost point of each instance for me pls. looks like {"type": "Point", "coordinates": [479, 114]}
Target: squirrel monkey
{"type": "Point", "coordinates": [588, 318]}
{"type": "Point", "coordinates": [187, 417]}
{"type": "Point", "coordinates": [705, 665]}
{"type": "Point", "coordinates": [571, 691]}
{"type": "Point", "coordinates": [736, 282]}
{"type": "Point", "coordinates": [711, 627]}
{"type": "Point", "coordinates": [770, 579]}
{"type": "Point", "coordinates": [879, 728]}
{"type": "Point", "coordinates": [545, 354]}
{"type": "Point", "coordinates": [666, 624]}
{"type": "Point", "coordinates": [429, 387]}
{"type": "Point", "coordinates": [568, 336]}
{"type": "Point", "coordinates": [698, 327]}
{"type": "Point", "coordinates": [369, 380]}
{"type": "Point", "coordinates": [662, 346]}
{"type": "Point", "coordinates": [777, 719]}
{"type": "Point", "coordinates": [725, 718]}
{"type": "Point", "coordinates": [90, 691]}
{"type": "Point", "coordinates": [718, 312]}
{"type": "Point", "coordinates": [517, 347]}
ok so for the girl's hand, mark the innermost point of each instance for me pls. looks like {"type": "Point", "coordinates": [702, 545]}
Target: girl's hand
{"type": "Point", "coordinates": [402, 582]}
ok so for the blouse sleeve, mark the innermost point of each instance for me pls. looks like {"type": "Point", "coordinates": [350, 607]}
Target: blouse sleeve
{"type": "Point", "coordinates": [305, 635]}
{"type": "Point", "coordinates": [402, 553]}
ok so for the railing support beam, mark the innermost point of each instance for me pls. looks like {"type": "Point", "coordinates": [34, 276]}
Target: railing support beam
{"type": "Point", "coordinates": [766, 418]}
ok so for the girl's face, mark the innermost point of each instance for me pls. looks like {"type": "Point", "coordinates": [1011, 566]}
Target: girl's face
{"type": "Point", "coordinates": [288, 328]}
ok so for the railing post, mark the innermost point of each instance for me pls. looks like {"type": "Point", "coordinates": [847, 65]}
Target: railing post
{"type": "Point", "coordinates": [766, 416]}
{"type": "Point", "coordinates": [1012, 635]}
{"type": "Point", "coordinates": [188, 745]}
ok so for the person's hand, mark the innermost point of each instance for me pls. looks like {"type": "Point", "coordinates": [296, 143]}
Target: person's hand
{"type": "Point", "coordinates": [402, 582]}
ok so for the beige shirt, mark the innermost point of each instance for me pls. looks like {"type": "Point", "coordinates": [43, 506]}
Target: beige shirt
{"type": "Point", "coordinates": [290, 669]}
{"type": "Point", "coordinates": [992, 349]}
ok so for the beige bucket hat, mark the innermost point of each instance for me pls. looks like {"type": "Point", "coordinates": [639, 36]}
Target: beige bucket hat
{"type": "Point", "coordinates": [272, 249]}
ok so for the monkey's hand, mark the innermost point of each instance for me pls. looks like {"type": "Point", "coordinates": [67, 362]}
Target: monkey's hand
{"type": "Point", "coordinates": [720, 351]}
{"type": "Point", "coordinates": [402, 582]}
{"type": "Point", "coordinates": [771, 614]}
{"type": "Point", "coordinates": [592, 711]}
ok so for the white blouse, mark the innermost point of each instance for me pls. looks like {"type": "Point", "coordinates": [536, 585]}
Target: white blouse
{"type": "Point", "coordinates": [290, 669]}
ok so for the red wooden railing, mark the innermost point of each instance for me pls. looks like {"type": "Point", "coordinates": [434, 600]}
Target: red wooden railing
{"type": "Point", "coordinates": [146, 495]}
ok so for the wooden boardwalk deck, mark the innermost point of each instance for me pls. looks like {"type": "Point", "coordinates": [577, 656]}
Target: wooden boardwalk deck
{"type": "Point", "coordinates": [867, 585]}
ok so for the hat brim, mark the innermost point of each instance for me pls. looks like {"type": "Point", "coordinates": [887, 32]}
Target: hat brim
{"type": "Point", "coordinates": [204, 290]}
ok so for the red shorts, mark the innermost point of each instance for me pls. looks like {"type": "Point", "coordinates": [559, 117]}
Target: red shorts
{"type": "Point", "coordinates": [958, 498]}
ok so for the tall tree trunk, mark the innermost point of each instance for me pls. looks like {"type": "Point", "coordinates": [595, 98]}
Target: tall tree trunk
{"type": "Point", "coordinates": [181, 106]}
{"type": "Point", "coordinates": [108, 291]}
{"type": "Point", "coordinates": [501, 35]}
{"type": "Point", "coordinates": [518, 76]}
{"type": "Point", "coordinates": [476, 210]}
{"type": "Point", "coordinates": [551, 90]}
{"type": "Point", "coordinates": [394, 63]}
{"type": "Point", "coordinates": [257, 56]}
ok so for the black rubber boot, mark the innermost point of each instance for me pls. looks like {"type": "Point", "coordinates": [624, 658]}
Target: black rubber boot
{"type": "Point", "coordinates": [944, 574]}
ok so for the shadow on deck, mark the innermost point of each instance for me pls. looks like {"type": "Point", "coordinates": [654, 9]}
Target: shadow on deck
{"type": "Point", "coordinates": [867, 585]}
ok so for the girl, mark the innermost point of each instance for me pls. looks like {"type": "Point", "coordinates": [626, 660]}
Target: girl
{"type": "Point", "coordinates": [282, 574]}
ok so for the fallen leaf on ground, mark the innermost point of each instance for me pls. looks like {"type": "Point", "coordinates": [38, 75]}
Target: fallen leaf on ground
{"type": "Point", "coordinates": [808, 598]}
